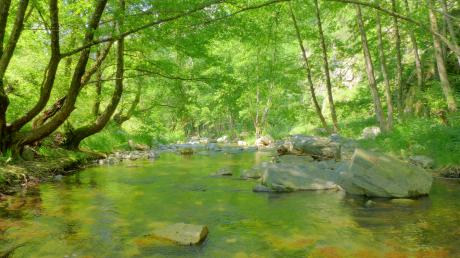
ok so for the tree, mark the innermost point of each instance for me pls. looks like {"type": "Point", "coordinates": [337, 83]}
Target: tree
{"type": "Point", "coordinates": [383, 66]}
{"type": "Point", "coordinates": [308, 71]}
{"type": "Point", "coordinates": [440, 61]}
{"type": "Point", "coordinates": [370, 70]}
{"type": "Point", "coordinates": [326, 68]}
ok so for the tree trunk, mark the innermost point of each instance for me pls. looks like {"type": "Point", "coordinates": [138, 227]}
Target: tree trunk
{"type": "Point", "coordinates": [74, 89]}
{"type": "Point", "coordinates": [74, 138]}
{"type": "Point", "coordinates": [4, 11]}
{"type": "Point", "coordinates": [383, 67]}
{"type": "Point", "coordinates": [450, 27]}
{"type": "Point", "coordinates": [440, 62]}
{"type": "Point", "coordinates": [370, 71]}
{"type": "Point", "coordinates": [97, 101]}
{"type": "Point", "coordinates": [307, 69]}
{"type": "Point", "coordinates": [399, 71]}
{"type": "Point", "coordinates": [326, 68]}
{"type": "Point", "coordinates": [120, 118]}
{"type": "Point", "coordinates": [418, 61]}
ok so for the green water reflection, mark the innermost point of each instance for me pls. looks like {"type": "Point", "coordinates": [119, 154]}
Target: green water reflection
{"type": "Point", "coordinates": [109, 212]}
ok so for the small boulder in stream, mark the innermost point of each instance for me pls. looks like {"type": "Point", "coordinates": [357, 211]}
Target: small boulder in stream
{"type": "Point", "coordinates": [223, 172]}
{"type": "Point", "coordinates": [182, 234]}
{"type": "Point", "coordinates": [378, 175]}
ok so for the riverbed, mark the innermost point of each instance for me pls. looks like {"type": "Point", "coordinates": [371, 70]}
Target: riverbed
{"type": "Point", "coordinates": [110, 211]}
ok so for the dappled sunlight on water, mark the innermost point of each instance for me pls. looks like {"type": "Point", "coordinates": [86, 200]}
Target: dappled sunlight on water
{"type": "Point", "coordinates": [111, 211]}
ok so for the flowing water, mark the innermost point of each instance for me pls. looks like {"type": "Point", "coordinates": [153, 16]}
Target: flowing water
{"type": "Point", "coordinates": [110, 211]}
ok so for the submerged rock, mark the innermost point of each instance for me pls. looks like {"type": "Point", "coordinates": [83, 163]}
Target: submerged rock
{"type": "Point", "coordinates": [378, 175]}
{"type": "Point", "coordinates": [293, 177]}
{"type": "Point", "coordinates": [182, 234]}
{"type": "Point", "coordinates": [223, 172]}
{"type": "Point", "coordinates": [318, 147]}
{"type": "Point", "coordinates": [261, 189]}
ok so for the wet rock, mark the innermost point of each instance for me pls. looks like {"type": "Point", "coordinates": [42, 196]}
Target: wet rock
{"type": "Point", "coordinates": [294, 159]}
{"type": "Point", "coordinates": [292, 177]}
{"type": "Point", "coordinates": [254, 172]}
{"type": "Point", "coordinates": [422, 161]}
{"type": "Point", "coordinates": [186, 151]}
{"type": "Point", "coordinates": [317, 147]}
{"type": "Point", "coordinates": [369, 203]}
{"type": "Point", "coordinates": [182, 234]}
{"type": "Point", "coordinates": [223, 172]}
{"type": "Point", "coordinates": [450, 172]}
{"type": "Point", "coordinates": [261, 189]}
{"type": "Point", "coordinates": [370, 132]}
{"type": "Point", "coordinates": [377, 175]}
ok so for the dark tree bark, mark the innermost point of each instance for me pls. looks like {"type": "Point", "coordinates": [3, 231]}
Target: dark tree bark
{"type": "Point", "coordinates": [74, 138]}
{"type": "Point", "coordinates": [4, 11]}
{"type": "Point", "coordinates": [74, 89]}
{"type": "Point", "coordinates": [370, 71]}
{"type": "Point", "coordinates": [440, 61]}
{"type": "Point", "coordinates": [383, 67]}
{"type": "Point", "coordinates": [326, 68]}
{"type": "Point", "coordinates": [5, 58]}
{"type": "Point", "coordinates": [308, 70]}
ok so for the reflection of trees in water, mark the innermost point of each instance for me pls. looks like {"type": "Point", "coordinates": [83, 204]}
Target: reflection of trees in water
{"type": "Point", "coordinates": [409, 225]}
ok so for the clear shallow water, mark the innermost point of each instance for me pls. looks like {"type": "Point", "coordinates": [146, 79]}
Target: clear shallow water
{"type": "Point", "coordinates": [108, 211]}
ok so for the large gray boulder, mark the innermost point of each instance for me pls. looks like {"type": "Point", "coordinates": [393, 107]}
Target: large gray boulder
{"type": "Point", "coordinates": [295, 177]}
{"type": "Point", "coordinates": [318, 147]}
{"type": "Point", "coordinates": [182, 234]}
{"type": "Point", "coordinates": [378, 175]}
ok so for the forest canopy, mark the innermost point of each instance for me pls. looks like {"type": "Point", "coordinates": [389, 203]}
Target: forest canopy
{"type": "Point", "coordinates": [98, 72]}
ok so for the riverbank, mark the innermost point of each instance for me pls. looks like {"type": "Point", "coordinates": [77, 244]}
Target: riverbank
{"type": "Point", "coordinates": [17, 175]}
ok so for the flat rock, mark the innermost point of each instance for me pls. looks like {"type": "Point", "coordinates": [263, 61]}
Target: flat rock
{"type": "Point", "coordinates": [182, 234]}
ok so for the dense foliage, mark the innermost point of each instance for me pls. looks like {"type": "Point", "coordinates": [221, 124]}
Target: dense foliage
{"type": "Point", "coordinates": [162, 71]}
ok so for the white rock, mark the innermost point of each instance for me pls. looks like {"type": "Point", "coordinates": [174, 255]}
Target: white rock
{"type": "Point", "coordinates": [371, 132]}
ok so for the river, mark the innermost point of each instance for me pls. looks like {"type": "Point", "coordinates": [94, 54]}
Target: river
{"type": "Point", "coordinates": [109, 211]}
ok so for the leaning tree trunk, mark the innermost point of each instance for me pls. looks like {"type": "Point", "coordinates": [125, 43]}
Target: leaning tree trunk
{"type": "Point", "coordinates": [383, 66]}
{"type": "Point", "coordinates": [74, 89]}
{"type": "Point", "coordinates": [370, 71]}
{"type": "Point", "coordinates": [440, 61]}
{"type": "Point", "coordinates": [73, 138]}
{"type": "Point", "coordinates": [326, 68]}
{"type": "Point", "coordinates": [308, 70]}
{"type": "Point", "coordinates": [399, 71]}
